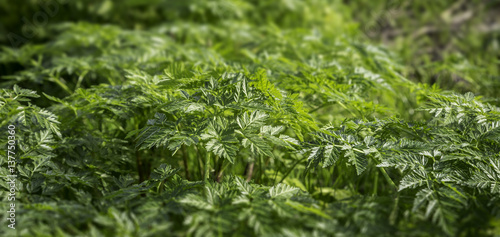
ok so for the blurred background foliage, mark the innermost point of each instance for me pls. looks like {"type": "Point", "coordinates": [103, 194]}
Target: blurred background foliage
{"type": "Point", "coordinates": [453, 44]}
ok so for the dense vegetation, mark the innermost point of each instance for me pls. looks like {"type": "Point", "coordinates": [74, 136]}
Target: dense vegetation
{"type": "Point", "coordinates": [250, 118]}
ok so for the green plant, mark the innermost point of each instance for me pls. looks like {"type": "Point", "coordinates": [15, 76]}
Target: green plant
{"type": "Point", "coordinates": [243, 118]}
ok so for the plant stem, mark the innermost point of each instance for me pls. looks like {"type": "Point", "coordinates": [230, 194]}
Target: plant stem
{"type": "Point", "coordinates": [389, 180]}
{"type": "Point", "coordinates": [222, 164]}
{"type": "Point", "coordinates": [221, 170]}
{"type": "Point", "coordinates": [185, 161]}
{"type": "Point", "coordinates": [139, 166]}
{"type": "Point", "coordinates": [290, 170]}
{"type": "Point", "coordinates": [260, 169]}
{"type": "Point", "coordinates": [218, 167]}
{"type": "Point", "coordinates": [276, 173]}
{"type": "Point", "coordinates": [249, 171]}
{"type": "Point", "coordinates": [375, 187]}
{"type": "Point", "coordinates": [394, 213]}
{"type": "Point", "coordinates": [207, 161]}
{"type": "Point", "coordinates": [60, 84]}
{"type": "Point", "coordinates": [198, 158]}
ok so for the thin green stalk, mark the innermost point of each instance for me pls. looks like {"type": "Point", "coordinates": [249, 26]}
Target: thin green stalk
{"type": "Point", "coordinates": [185, 161]}
{"type": "Point", "coordinates": [394, 213]}
{"type": "Point", "coordinates": [207, 161]}
{"type": "Point", "coordinates": [198, 159]}
{"type": "Point", "coordinates": [375, 186]}
{"type": "Point", "coordinates": [80, 79]}
{"type": "Point", "coordinates": [61, 84]}
{"type": "Point", "coordinates": [276, 173]}
{"type": "Point", "coordinates": [290, 170]}
{"type": "Point", "coordinates": [260, 169]}
{"type": "Point", "coordinates": [389, 180]}
{"type": "Point", "coordinates": [224, 165]}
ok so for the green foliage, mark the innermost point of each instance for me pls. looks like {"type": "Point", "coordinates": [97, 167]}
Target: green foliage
{"type": "Point", "coordinates": [246, 118]}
